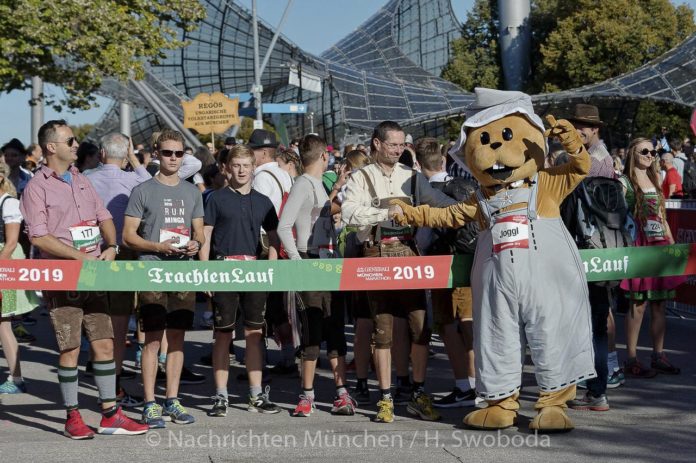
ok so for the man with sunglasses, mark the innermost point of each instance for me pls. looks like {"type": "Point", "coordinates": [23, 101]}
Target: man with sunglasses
{"type": "Point", "coordinates": [66, 219]}
{"type": "Point", "coordinates": [164, 221]}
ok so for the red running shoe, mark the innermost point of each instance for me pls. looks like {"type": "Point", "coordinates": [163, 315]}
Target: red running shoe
{"type": "Point", "coordinates": [75, 428]}
{"type": "Point", "coordinates": [305, 407]}
{"type": "Point", "coordinates": [122, 425]}
{"type": "Point", "coordinates": [343, 405]}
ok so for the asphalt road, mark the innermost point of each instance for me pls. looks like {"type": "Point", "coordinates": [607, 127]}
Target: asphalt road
{"type": "Point", "coordinates": [650, 420]}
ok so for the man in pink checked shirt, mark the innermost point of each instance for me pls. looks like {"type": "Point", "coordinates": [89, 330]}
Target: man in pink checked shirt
{"type": "Point", "coordinates": [66, 219]}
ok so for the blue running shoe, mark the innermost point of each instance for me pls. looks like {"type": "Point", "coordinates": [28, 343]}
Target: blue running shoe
{"type": "Point", "coordinates": [152, 416]}
{"type": "Point", "coordinates": [10, 387]}
{"type": "Point", "coordinates": [176, 413]}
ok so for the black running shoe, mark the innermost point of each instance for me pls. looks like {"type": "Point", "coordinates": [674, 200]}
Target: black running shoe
{"type": "Point", "coordinates": [262, 403]}
{"type": "Point", "coordinates": [457, 398]}
{"type": "Point", "coordinates": [219, 406]}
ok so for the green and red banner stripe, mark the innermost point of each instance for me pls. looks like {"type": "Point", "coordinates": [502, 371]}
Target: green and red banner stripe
{"type": "Point", "coordinates": [320, 274]}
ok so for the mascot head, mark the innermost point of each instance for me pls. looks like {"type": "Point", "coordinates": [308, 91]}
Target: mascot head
{"type": "Point", "coordinates": [502, 140]}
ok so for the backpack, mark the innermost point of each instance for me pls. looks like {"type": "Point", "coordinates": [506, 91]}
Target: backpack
{"type": "Point", "coordinates": [597, 216]}
{"type": "Point", "coordinates": [689, 180]}
{"type": "Point", "coordinates": [463, 239]}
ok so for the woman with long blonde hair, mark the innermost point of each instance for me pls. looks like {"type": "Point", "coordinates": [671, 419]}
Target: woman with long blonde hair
{"type": "Point", "coordinates": [13, 302]}
{"type": "Point", "coordinates": [643, 191]}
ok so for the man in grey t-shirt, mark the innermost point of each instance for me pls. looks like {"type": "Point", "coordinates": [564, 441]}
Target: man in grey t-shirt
{"type": "Point", "coordinates": [164, 220]}
{"type": "Point", "coordinates": [308, 210]}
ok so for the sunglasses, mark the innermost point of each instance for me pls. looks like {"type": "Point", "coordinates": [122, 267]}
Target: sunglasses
{"type": "Point", "coordinates": [70, 141]}
{"type": "Point", "coordinates": [170, 153]}
{"type": "Point", "coordinates": [646, 152]}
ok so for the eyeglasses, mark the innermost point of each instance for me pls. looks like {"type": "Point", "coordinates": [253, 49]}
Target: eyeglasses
{"type": "Point", "coordinates": [646, 152]}
{"type": "Point", "coordinates": [394, 145]}
{"type": "Point", "coordinates": [70, 141]}
{"type": "Point", "coordinates": [170, 153]}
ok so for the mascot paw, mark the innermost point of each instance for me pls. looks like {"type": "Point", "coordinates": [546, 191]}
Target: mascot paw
{"type": "Point", "coordinates": [401, 213]}
{"type": "Point", "coordinates": [498, 415]}
{"type": "Point", "coordinates": [551, 419]}
{"type": "Point", "coordinates": [566, 133]}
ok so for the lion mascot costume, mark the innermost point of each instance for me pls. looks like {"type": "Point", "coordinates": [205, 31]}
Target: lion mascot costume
{"type": "Point", "coordinates": [529, 286]}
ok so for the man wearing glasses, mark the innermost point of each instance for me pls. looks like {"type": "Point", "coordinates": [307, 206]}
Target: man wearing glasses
{"type": "Point", "coordinates": [66, 219]}
{"type": "Point", "coordinates": [164, 221]}
{"type": "Point", "coordinates": [367, 207]}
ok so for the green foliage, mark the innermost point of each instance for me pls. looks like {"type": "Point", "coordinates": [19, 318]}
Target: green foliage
{"type": "Point", "coordinates": [476, 56]}
{"type": "Point", "coordinates": [574, 42]}
{"type": "Point", "coordinates": [77, 43]}
{"type": "Point", "coordinates": [597, 40]}
{"type": "Point", "coordinates": [651, 117]}
{"type": "Point", "coordinates": [81, 131]}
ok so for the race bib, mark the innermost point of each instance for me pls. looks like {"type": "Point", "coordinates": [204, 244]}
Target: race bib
{"type": "Point", "coordinates": [181, 235]}
{"type": "Point", "coordinates": [239, 257]}
{"type": "Point", "coordinates": [654, 231]}
{"type": "Point", "coordinates": [388, 231]}
{"type": "Point", "coordinates": [85, 235]}
{"type": "Point", "coordinates": [510, 232]}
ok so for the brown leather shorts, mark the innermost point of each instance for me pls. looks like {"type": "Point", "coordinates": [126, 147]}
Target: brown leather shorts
{"type": "Point", "coordinates": [71, 310]}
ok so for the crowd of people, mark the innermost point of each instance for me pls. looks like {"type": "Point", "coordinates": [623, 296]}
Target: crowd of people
{"type": "Point", "coordinates": [62, 199]}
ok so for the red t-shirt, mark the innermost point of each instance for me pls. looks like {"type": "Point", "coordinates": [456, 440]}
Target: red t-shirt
{"type": "Point", "coordinates": [672, 178]}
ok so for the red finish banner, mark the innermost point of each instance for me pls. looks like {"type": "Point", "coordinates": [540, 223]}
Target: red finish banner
{"type": "Point", "coordinates": [56, 275]}
{"type": "Point", "coordinates": [404, 272]}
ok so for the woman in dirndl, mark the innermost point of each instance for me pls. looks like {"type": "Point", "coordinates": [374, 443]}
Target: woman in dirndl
{"type": "Point", "coordinates": [641, 181]}
{"type": "Point", "coordinates": [14, 302]}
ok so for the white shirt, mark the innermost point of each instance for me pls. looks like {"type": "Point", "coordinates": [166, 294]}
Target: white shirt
{"type": "Point", "coordinates": [265, 184]}
{"type": "Point", "coordinates": [10, 209]}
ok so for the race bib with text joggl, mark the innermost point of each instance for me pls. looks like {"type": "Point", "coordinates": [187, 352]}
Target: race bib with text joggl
{"type": "Point", "coordinates": [510, 232]}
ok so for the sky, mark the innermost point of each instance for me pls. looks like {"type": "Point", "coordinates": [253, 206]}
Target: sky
{"type": "Point", "coordinates": [314, 25]}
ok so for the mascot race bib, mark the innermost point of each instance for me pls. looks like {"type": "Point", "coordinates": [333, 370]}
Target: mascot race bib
{"type": "Point", "coordinates": [510, 232]}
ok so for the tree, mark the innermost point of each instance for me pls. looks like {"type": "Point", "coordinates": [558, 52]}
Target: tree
{"type": "Point", "coordinates": [598, 40]}
{"type": "Point", "coordinates": [476, 56]}
{"type": "Point", "coordinates": [76, 44]}
{"type": "Point", "coordinates": [574, 42]}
